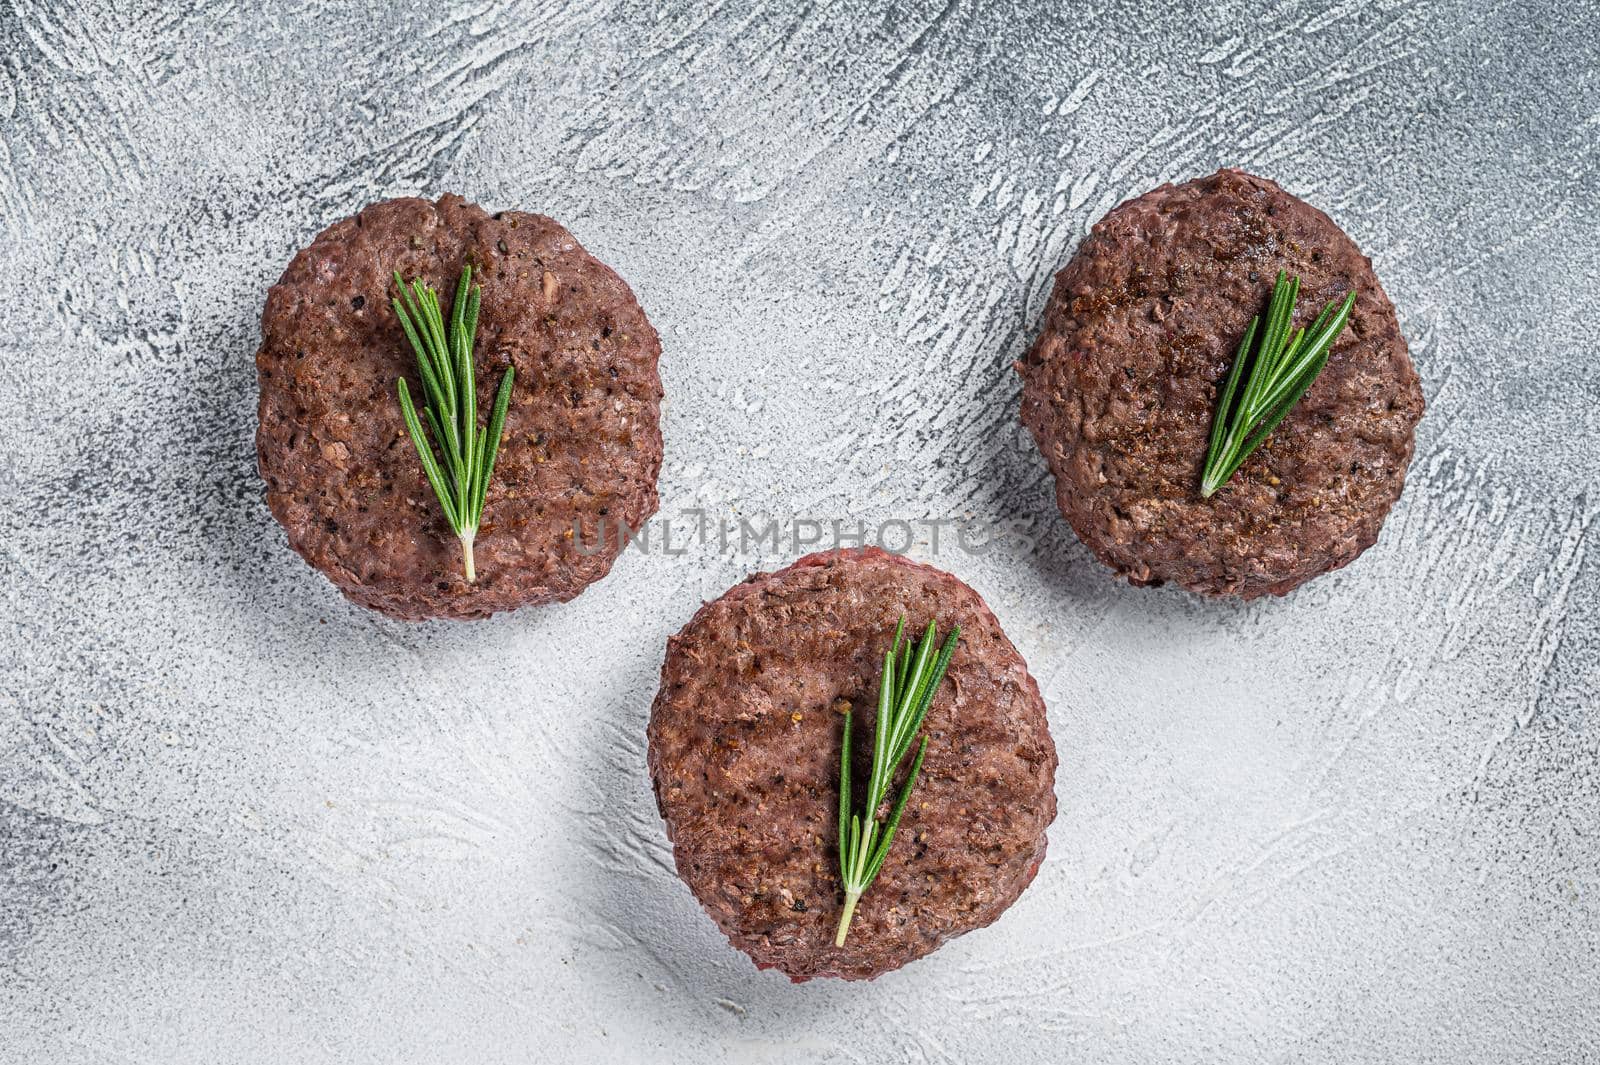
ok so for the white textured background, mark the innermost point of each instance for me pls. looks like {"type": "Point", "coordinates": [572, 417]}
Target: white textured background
{"type": "Point", "coordinates": [241, 820]}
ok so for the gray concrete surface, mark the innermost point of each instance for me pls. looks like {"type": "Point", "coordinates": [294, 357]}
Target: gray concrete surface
{"type": "Point", "coordinates": [243, 821]}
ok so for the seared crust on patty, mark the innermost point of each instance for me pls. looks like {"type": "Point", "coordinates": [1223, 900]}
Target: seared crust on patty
{"type": "Point", "coordinates": [744, 742]}
{"type": "Point", "coordinates": [581, 443]}
{"type": "Point", "coordinates": [1120, 391]}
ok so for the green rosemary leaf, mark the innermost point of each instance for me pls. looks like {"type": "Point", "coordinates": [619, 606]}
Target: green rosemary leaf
{"type": "Point", "coordinates": [881, 730]}
{"type": "Point", "coordinates": [433, 332]}
{"type": "Point", "coordinates": [469, 396]}
{"type": "Point", "coordinates": [894, 670]}
{"type": "Point", "coordinates": [430, 466]}
{"type": "Point", "coordinates": [919, 672]}
{"type": "Point", "coordinates": [458, 309]}
{"type": "Point", "coordinates": [894, 816]}
{"type": "Point", "coordinates": [490, 445]}
{"type": "Point", "coordinates": [403, 313]}
{"type": "Point", "coordinates": [1280, 310]}
{"type": "Point", "coordinates": [925, 701]}
{"type": "Point", "coordinates": [1315, 352]}
{"type": "Point", "coordinates": [844, 789]}
{"type": "Point", "coordinates": [903, 669]}
{"type": "Point", "coordinates": [1291, 396]}
{"type": "Point", "coordinates": [1225, 404]}
{"type": "Point", "coordinates": [469, 318]}
{"type": "Point", "coordinates": [1325, 316]}
{"type": "Point", "coordinates": [1282, 364]}
{"type": "Point", "coordinates": [440, 378]}
{"type": "Point", "coordinates": [452, 460]}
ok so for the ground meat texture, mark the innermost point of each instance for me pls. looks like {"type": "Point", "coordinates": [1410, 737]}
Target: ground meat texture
{"type": "Point", "coordinates": [745, 737]}
{"type": "Point", "coordinates": [581, 443]}
{"type": "Point", "coordinates": [1120, 391]}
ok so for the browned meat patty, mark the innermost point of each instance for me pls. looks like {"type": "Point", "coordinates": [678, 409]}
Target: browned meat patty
{"type": "Point", "coordinates": [1121, 386]}
{"type": "Point", "coordinates": [581, 441]}
{"type": "Point", "coordinates": [745, 737]}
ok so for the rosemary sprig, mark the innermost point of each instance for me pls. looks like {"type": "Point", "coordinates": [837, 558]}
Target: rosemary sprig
{"type": "Point", "coordinates": [1280, 375]}
{"type": "Point", "coordinates": [444, 361]}
{"type": "Point", "coordinates": [904, 695]}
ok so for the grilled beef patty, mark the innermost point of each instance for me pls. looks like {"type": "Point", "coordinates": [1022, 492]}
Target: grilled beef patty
{"type": "Point", "coordinates": [745, 738]}
{"type": "Point", "coordinates": [581, 441]}
{"type": "Point", "coordinates": [1120, 391]}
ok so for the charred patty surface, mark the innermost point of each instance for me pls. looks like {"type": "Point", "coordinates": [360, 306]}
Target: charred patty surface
{"type": "Point", "coordinates": [581, 441]}
{"type": "Point", "coordinates": [745, 737]}
{"type": "Point", "coordinates": [1120, 390]}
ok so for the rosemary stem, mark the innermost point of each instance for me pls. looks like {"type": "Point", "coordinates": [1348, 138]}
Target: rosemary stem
{"type": "Point", "coordinates": [850, 900]}
{"type": "Point", "coordinates": [1210, 483]}
{"type": "Point", "coordinates": [466, 554]}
